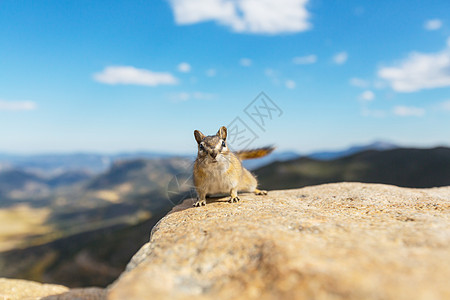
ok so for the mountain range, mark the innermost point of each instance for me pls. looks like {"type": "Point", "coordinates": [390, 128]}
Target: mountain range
{"type": "Point", "coordinates": [114, 209]}
{"type": "Point", "coordinates": [328, 155]}
{"type": "Point", "coordinates": [73, 212]}
{"type": "Point", "coordinates": [56, 164]}
{"type": "Point", "coordinates": [60, 163]}
{"type": "Point", "coordinates": [418, 168]}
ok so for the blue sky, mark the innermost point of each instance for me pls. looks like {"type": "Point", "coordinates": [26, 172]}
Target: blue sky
{"type": "Point", "coordinates": [111, 76]}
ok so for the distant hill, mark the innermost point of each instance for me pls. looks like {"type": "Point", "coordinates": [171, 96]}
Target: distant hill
{"type": "Point", "coordinates": [141, 173]}
{"type": "Point", "coordinates": [17, 179]}
{"type": "Point", "coordinates": [94, 163]}
{"type": "Point", "coordinates": [55, 163]}
{"type": "Point", "coordinates": [126, 190]}
{"type": "Point", "coordinates": [252, 164]}
{"type": "Point", "coordinates": [419, 168]}
{"type": "Point", "coordinates": [58, 163]}
{"type": "Point", "coordinates": [319, 155]}
{"type": "Point", "coordinates": [92, 258]}
{"type": "Point", "coordinates": [114, 209]}
{"type": "Point", "coordinates": [328, 155]}
{"type": "Point", "coordinates": [68, 178]}
{"type": "Point", "coordinates": [18, 185]}
{"type": "Point", "coordinates": [131, 195]}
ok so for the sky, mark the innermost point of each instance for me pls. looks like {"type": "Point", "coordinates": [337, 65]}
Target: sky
{"type": "Point", "coordinates": [304, 75]}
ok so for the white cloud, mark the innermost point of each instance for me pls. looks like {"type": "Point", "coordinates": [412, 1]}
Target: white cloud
{"type": "Point", "coordinates": [180, 97]}
{"type": "Point", "coordinates": [245, 16]}
{"type": "Point", "coordinates": [184, 67]}
{"type": "Point", "coordinates": [408, 111]}
{"type": "Point", "coordinates": [290, 84]}
{"type": "Point", "coordinates": [245, 62]}
{"type": "Point", "coordinates": [340, 58]}
{"type": "Point", "coordinates": [305, 60]}
{"type": "Point", "coordinates": [270, 72]}
{"type": "Point", "coordinates": [445, 105]}
{"type": "Point", "coordinates": [132, 75]}
{"type": "Point", "coordinates": [274, 76]}
{"type": "Point", "coordinates": [364, 84]}
{"type": "Point", "coordinates": [211, 72]}
{"type": "Point", "coordinates": [367, 112]}
{"type": "Point", "coordinates": [433, 24]}
{"type": "Point", "coordinates": [17, 105]}
{"type": "Point", "coordinates": [185, 96]}
{"type": "Point", "coordinates": [367, 96]}
{"type": "Point", "coordinates": [203, 96]}
{"type": "Point", "coordinates": [358, 82]}
{"type": "Point", "coordinates": [379, 84]}
{"type": "Point", "coordinates": [419, 71]}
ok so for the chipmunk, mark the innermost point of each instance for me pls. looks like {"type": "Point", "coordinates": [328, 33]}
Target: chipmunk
{"type": "Point", "coordinates": [217, 170]}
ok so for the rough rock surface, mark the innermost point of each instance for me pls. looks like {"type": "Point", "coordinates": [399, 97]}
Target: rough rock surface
{"type": "Point", "coordinates": [12, 289]}
{"type": "Point", "coordinates": [92, 293]}
{"type": "Point", "coordinates": [335, 241]}
{"type": "Point", "coordinates": [15, 289]}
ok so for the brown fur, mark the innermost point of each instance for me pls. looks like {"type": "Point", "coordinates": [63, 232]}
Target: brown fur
{"type": "Point", "coordinates": [217, 170]}
{"type": "Point", "coordinates": [254, 153]}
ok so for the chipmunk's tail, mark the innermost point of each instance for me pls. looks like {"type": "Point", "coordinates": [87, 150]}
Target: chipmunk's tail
{"type": "Point", "coordinates": [254, 153]}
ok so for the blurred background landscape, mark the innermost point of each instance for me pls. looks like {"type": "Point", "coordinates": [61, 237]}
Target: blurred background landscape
{"type": "Point", "coordinates": [98, 104]}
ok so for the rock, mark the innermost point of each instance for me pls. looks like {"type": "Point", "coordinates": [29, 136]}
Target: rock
{"type": "Point", "coordinates": [335, 241]}
{"type": "Point", "coordinates": [11, 289]}
{"type": "Point", "coordinates": [92, 293]}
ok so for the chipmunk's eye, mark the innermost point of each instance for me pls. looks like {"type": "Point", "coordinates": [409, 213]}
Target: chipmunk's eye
{"type": "Point", "coordinates": [223, 144]}
{"type": "Point", "coordinates": [201, 147]}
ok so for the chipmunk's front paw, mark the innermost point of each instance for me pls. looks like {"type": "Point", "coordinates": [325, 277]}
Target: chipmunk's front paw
{"type": "Point", "coordinates": [200, 203]}
{"type": "Point", "coordinates": [260, 192]}
{"type": "Point", "coordinates": [234, 199]}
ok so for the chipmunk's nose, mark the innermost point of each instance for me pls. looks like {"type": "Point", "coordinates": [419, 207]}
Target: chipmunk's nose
{"type": "Point", "coordinates": [213, 154]}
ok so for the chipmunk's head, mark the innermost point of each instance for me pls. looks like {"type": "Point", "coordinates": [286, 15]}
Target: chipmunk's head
{"type": "Point", "coordinates": [213, 147]}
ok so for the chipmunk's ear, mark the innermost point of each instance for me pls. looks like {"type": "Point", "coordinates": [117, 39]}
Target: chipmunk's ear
{"type": "Point", "coordinates": [222, 133]}
{"type": "Point", "coordinates": [198, 136]}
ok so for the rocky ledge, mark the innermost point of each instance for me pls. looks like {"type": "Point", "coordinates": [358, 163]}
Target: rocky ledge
{"type": "Point", "coordinates": [16, 289]}
{"type": "Point", "coordinates": [334, 241]}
